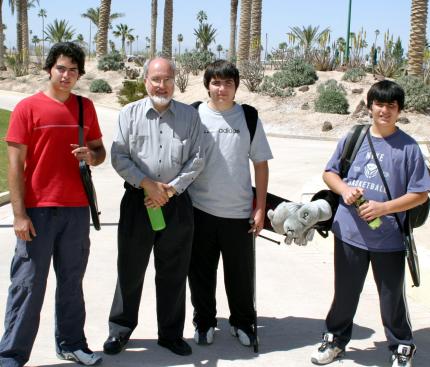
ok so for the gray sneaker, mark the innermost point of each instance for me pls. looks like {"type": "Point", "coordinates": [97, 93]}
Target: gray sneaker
{"type": "Point", "coordinates": [328, 351]}
{"type": "Point", "coordinates": [403, 356]}
{"type": "Point", "coordinates": [83, 356]}
{"type": "Point", "coordinates": [204, 337]}
{"type": "Point", "coordinates": [246, 338]}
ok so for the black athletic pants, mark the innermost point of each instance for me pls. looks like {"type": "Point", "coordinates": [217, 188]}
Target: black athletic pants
{"type": "Point", "coordinates": [351, 265]}
{"type": "Point", "coordinates": [172, 251]}
{"type": "Point", "coordinates": [230, 238]}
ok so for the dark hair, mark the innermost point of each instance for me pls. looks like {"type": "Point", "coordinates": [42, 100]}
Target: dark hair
{"type": "Point", "coordinates": [68, 49]}
{"type": "Point", "coordinates": [221, 69]}
{"type": "Point", "coordinates": [386, 91]}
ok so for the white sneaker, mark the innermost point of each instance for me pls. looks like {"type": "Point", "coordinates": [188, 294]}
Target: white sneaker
{"type": "Point", "coordinates": [246, 339]}
{"type": "Point", "coordinates": [84, 356]}
{"type": "Point", "coordinates": [204, 338]}
{"type": "Point", "coordinates": [328, 351]}
{"type": "Point", "coordinates": [403, 356]}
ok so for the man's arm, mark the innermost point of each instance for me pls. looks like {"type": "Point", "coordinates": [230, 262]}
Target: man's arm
{"type": "Point", "coordinates": [261, 170]}
{"type": "Point", "coordinates": [337, 185]}
{"type": "Point", "coordinates": [22, 224]}
{"type": "Point", "coordinates": [93, 154]}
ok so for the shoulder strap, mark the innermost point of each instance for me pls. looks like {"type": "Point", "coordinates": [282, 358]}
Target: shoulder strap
{"type": "Point", "coordinates": [196, 104]}
{"type": "Point", "coordinates": [384, 181]}
{"type": "Point", "coordinates": [81, 121]}
{"type": "Point", "coordinates": [353, 143]}
{"type": "Point", "coordinates": [251, 117]}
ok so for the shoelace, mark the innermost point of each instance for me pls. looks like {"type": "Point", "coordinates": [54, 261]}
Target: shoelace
{"type": "Point", "coordinates": [324, 346]}
{"type": "Point", "coordinates": [403, 359]}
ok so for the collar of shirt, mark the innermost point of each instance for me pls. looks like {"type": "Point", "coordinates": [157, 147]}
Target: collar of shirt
{"type": "Point", "coordinates": [149, 106]}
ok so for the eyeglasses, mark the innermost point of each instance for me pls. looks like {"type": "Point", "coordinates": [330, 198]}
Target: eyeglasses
{"type": "Point", "coordinates": [62, 69]}
{"type": "Point", "coordinates": [156, 82]}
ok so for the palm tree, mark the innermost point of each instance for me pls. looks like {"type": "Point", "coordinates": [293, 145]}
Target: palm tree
{"type": "Point", "coordinates": [205, 35]}
{"type": "Point", "coordinates": [59, 31]}
{"type": "Point", "coordinates": [417, 38]}
{"type": "Point", "coordinates": [307, 37]}
{"type": "Point", "coordinates": [256, 29]}
{"type": "Point", "coordinates": [130, 40]}
{"type": "Point", "coordinates": [102, 34]}
{"type": "Point", "coordinates": [35, 40]}
{"type": "Point", "coordinates": [233, 26]}
{"type": "Point", "coordinates": [167, 29]}
{"type": "Point", "coordinates": [2, 65]}
{"type": "Point", "coordinates": [122, 31]}
{"type": "Point", "coordinates": [219, 49]}
{"type": "Point", "coordinates": [180, 39]}
{"type": "Point", "coordinates": [244, 32]}
{"type": "Point", "coordinates": [153, 49]}
{"type": "Point", "coordinates": [80, 40]}
{"type": "Point", "coordinates": [42, 14]}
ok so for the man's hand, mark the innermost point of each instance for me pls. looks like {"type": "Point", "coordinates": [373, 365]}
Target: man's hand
{"type": "Point", "coordinates": [258, 224]}
{"type": "Point", "coordinates": [156, 193]}
{"type": "Point", "coordinates": [371, 210]}
{"type": "Point", "coordinates": [83, 154]}
{"type": "Point", "coordinates": [351, 194]}
{"type": "Point", "coordinates": [24, 228]}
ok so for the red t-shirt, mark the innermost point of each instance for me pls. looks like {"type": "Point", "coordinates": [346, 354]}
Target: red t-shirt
{"type": "Point", "coordinates": [47, 127]}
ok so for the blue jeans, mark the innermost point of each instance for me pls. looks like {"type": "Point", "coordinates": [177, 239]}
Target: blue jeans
{"type": "Point", "coordinates": [63, 235]}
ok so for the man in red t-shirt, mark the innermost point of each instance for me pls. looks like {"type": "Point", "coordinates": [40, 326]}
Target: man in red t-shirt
{"type": "Point", "coordinates": [50, 208]}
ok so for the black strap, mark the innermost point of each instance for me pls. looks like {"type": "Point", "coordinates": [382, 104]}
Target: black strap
{"type": "Point", "coordinates": [375, 158]}
{"type": "Point", "coordinates": [353, 142]}
{"type": "Point", "coordinates": [81, 121]}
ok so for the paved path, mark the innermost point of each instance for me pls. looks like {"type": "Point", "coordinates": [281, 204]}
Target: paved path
{"type": "Point", "coordinates": [294, 284]}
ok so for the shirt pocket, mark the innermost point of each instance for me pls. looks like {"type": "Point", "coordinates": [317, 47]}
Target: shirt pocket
{"type": "Point", "coordinates": [177, 150]}
{"type": "Point", "coordinates": [139, 146]}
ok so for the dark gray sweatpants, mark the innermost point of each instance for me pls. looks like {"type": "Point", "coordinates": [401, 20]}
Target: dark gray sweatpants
{"type": "Point", "coordinates": [63, 235]}
{"type": "Point", "coordinates": [351, 265]}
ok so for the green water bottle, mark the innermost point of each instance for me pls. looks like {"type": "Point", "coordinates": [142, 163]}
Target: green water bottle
{"type": "Point", "coordinates": [374, 223]}
{"type": "Point", "coordinates": [156, 218]}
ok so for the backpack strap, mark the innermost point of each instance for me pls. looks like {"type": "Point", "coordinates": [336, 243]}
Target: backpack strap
{"type": "Point", "coordinates": [81, 121]}
{"type": "Point", "coordinates": [251, 117]}
{"type": "Point", "coordinates": [353, 143]}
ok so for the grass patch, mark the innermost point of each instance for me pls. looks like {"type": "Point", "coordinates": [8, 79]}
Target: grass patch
{"type": "Point", "coordinates": [4, 122]}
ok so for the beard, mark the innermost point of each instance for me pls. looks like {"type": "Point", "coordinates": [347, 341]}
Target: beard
{"type": "Point", "coordinates": [160, 101]}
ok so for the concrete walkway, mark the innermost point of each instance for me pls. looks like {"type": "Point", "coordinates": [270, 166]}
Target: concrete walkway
{"type": "Point", "coordinates": [294, 284]}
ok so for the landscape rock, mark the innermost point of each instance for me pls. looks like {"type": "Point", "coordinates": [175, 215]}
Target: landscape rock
{"type": "Point", "coordinates": [357, 90]}
{"type": "Point", "coordinates": [403, 120]}
{"type": "Point", "coordinates": [327, 126]}
{"type": "Point", "coordinates": [361, 110]}
{"type": "Point", "coordinates": [304, 88]}
{"type": "Point", "coordinates": [305, 106]}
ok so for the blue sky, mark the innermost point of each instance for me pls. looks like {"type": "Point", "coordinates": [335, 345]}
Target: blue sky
{"type": "Point", "coordinates": [278, 17]}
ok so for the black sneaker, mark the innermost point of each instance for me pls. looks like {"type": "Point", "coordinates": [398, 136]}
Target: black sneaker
{"type": "Point", "coordinates": [114, 345]}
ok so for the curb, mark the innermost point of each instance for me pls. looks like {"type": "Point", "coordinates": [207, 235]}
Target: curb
{"type": "Point", "coordinates": [4, 198]}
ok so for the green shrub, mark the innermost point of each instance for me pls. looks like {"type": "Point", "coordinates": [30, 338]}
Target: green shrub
{"type": "Point", "coordinates": [271, 88]}
{"type": "Point", "coordinates": [112, 61]}
{"type": "Point", "coordinates": [295, 73]}
{"type": "Point", "coordinates": [131, 91]}
{"type": "Point", "coordinates": [195, 61]}
{"type": "Point", "coordinates": [331, 98]}
{"type": "Point", "coordinates": [354, 75]}
{"type": "Point", "coordinates": [100, 86]}
{"type": "Point", "coordinates": [252, 74]}
{"type": "Point", "coordinates": [417, 93]}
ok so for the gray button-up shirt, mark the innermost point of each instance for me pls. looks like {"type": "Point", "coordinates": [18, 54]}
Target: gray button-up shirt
{"type": "Point", "coordinates": [164, 147]}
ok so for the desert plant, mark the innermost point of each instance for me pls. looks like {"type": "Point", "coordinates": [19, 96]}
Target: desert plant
{"type": "Point", "coordinates": [100, 86]}
{"type": "Point", "coordinates": [131, 73]}
{"type": "Point", "coordinates": [131, 91]}
{"type": "Point", "coordinates": [195, 61]}
{"type": "Point", "coordinates": [331, 98]}
{"type": "Point", "coordinates": [112, 61]}
{"type": "Point", "coordinates": [15, 63]}
{"type": "Point", "coordinates": [252, 74]}
{"type": "Point", "coordinates": [354, 75]}
{"type": "Point", "coordinates": [295, 73]}
{"type": "Point", "coordinates": [139, 60]}
{"type": "Point", "coordinates": [181, 78]}
{"type": "Point", "coordinates": [271, 88]}
{"type": "Point", "coordinates": [417, 93]}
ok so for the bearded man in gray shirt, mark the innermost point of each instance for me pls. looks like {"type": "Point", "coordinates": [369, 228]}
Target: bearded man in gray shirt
{"type": "Point", "coordinates": [157, 151]}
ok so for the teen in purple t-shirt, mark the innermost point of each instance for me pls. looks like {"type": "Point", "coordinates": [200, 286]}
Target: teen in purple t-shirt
{"type": "Point", "coordinates": [356, 244]}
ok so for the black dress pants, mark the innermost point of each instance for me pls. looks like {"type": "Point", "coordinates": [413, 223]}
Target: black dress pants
{"type": "Point", "coordinates": [230, 238]}
{"type": "Point", "coordinates": [172, 251]}
{"type": "Point", "coordinates": [351, 265]}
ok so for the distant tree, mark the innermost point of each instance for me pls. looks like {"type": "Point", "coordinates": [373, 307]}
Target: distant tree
{"type": "Point", "coordinates": [201, 16]}
{"type": "Point", "coordinates": [2, 64]}
{"type": "Point", "coordinates": [130, 40]}
{"type": "Point", "coordinates": [103, 26]}
{"type": "Point", "coordinates": [244, 31]}
{"type": "Point", "coordinates": [205, 35]}
{"type": "Point", "coordinates": [153, 48]}
{"type": "Point", "coordinates": [167, 29]}
{"type": "Point", "coordinates": [59, 31]}
{"type": "Point", "coordinates": [417, 37]}
{"type": "Point", "coordinates": [35, 40]}
{"type": "Point", "coordinates": [307, 37]}
{"type": "Point", "coordinates": [180, 39]}
{"type": "Point", "coordinates": [122, 31]}
{"type": "Point", "coordinates": [233, 26]}
{"type": "Point", "coordinates": [42, 14]}
{"type": "Point", "coordinates": [256, 11]}
{"type": "Point", "coordinates": [219, 49]}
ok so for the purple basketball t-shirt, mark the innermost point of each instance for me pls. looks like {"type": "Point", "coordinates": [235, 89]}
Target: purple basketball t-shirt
{"type": "Point", "coordinates": [405, 171]}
